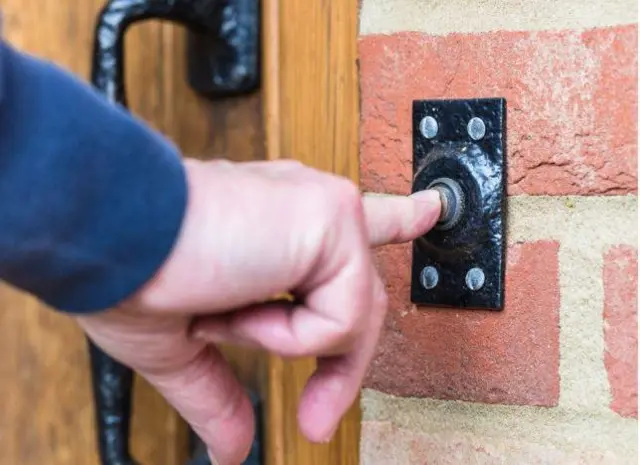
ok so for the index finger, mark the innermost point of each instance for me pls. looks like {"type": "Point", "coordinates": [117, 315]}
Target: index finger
{"type": "Point", "coordinates": [392, 219]}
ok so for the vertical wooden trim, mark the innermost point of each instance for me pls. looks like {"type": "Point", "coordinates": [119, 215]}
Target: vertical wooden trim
{"type": "Point", "coordinates": [274, 405]}
{"type": "Point", "coordinates": [311, 113]}
{"type": "Point", "coordinates": [271, 76]}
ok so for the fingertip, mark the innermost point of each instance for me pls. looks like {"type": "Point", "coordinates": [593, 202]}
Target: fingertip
{"type": "Point", "coordinates": [429, 196]}
{"type": "Point", "coordinates": [231, 444]}
{"type": "Point", "coordinates": [430, 205]}
{"type": "Point", "coordinates": [212, 401]}
{"type": "Point", "coordinates": [315, 429]}
{"type": "Point", "coordinates": [431, 200]}
{"type": "Point", "coordinates": [324, 402]}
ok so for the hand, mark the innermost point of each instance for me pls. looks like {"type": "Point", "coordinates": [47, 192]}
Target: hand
{"type": "Point", "coordinates": [253, 231]}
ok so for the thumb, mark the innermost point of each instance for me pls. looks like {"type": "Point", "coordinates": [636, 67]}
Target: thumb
{"type": "Point", "coordinates": [209, 397]}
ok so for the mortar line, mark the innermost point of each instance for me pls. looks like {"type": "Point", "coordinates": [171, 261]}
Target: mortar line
{"type": "Point", "coordinates": [440, 18]}
{"type": "Point", "coordinates": [566, 429]}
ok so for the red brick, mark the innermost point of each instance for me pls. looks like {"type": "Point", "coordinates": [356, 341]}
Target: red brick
{"type": "Point", "coordinates": [571, 98]}
{"type": "Point", "coordinates": [509, 357]}
{"type": "Point", "coordinates": [621, 328]}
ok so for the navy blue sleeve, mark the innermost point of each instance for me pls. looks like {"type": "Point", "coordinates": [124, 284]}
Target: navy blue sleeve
{"type": "Point", "coordinates": [91, 199]}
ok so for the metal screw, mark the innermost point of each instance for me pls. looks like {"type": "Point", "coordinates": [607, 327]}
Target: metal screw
{"type": "Point", "coordinates": [476, 128]}
{"type": "Point", "coordinates": [475, 279]}
{"type": "Point", "coordinates": [429, 127]}
{"type": "Point", "coordinates": [429, 277]}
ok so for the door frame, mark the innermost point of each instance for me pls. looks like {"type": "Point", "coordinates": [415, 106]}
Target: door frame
{"type": "Point", "coordinates": [310, 113]}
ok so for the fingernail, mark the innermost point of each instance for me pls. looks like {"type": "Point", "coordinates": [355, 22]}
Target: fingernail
{"type": "Point", "coordinates": [431, 196]}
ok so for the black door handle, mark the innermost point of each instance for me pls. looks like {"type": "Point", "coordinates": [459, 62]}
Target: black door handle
{"type": "Point", "coordinates": [223, 60]}
{"type": "Point", "coordinates": [223, 48]}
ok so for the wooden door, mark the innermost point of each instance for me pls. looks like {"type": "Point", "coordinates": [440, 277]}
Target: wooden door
{"type": "Point", "coordinates": [311, 104]}
{"type": "Point", "coordinates": [307, 109]}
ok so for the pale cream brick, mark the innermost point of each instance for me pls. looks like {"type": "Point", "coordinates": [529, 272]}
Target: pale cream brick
{"type": "Point", "coordinates": [447, 16]}
{"type": "Point", "coordinates": [385, 443]}
{"type": "Point", "coordinates": [585, 227]}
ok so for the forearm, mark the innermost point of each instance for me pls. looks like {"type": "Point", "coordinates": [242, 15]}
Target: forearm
{"type": "Point", "coordinates": [91, 200]}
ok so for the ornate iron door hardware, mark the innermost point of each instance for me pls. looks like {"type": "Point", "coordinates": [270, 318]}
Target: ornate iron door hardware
{"type": "Point", "coordinates": [459, 149]}
{"type": "Point", "coordinates": [223, 60]}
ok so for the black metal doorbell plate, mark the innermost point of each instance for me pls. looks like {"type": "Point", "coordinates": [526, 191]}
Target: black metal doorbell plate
{"type": "Point", "coordinates": [460, 145]}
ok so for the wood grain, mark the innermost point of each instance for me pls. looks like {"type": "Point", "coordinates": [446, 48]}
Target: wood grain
{"type": "Point", "coordinates": [311, 114]}
{"type": "Point", "coordinates": [45, 400]}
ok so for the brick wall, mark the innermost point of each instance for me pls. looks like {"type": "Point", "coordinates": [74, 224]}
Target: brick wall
{"type": "Point", "coordinates": [553, 378]}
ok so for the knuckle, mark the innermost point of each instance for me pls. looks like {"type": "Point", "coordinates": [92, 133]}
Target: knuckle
{"type": "Point", "coordinates": [289, 162]}
{"type": "Point", "coordinates": [350, 327]}
{"type": "Point", "coordinates": [381, 298]}
{"type": "Point", "coordinates": [381, 305]}
{"type": "Point", "coordinates": [348, 192]}
{"type": "Point", "coordinates": [344, 336]}
{"type": "Point", "coordinates": [334, 197]}
{"type": "Point", "coordinates": [346, 199]}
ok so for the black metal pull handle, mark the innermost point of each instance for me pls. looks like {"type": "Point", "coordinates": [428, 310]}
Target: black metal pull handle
{"type": "Point", "coordinates": [223, 60]}
{"type": "Point", "coordinates": [223, 50]}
